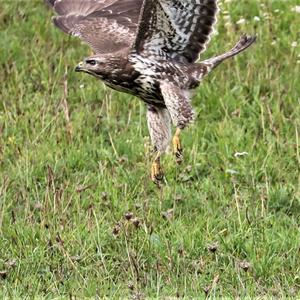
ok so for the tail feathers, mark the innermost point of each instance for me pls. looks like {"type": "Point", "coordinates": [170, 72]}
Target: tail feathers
{"type": "Point", "coordinates": [244, 43]}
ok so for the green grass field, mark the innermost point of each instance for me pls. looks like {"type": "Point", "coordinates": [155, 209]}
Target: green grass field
{"type": "Point", "coordinates": [75, 159]}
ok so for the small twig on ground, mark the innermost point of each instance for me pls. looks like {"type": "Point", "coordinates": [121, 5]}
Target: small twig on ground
{"type": "Point", "coordinates": [69, 128]}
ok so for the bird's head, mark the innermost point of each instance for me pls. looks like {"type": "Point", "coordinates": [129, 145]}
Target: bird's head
{"type": "Point", "coordinates": [93, 65]}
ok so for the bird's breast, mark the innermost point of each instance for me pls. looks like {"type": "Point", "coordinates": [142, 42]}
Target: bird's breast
{"type": "Point", "coordinates": [151, 73]}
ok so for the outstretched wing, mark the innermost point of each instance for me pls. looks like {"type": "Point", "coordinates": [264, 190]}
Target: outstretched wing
{"type": "Point", "coordinates": [176, 29]}
{"type": "Point", "coordinates": [108, 26]}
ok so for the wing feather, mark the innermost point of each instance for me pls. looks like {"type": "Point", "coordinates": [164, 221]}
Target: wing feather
{"type": "Point", "coordinates": [177, 29]}
{"type": "Point", "coordinates": [108, 26]}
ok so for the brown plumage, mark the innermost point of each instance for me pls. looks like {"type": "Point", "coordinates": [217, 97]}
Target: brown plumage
{"type": "Point", "coordinates": [148, 48]}
{"type": "Point", "coordinates": [108, 26]}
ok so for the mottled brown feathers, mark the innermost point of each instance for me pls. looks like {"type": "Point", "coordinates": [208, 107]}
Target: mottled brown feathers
{"type": "Point", "coordinates": [172, 28]}
{"type": "Point", "coordinates": [176, 29]}
{"type": "Point", "coordinates": [108, 26]}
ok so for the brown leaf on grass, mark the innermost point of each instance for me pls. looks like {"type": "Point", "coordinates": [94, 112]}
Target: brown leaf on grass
{"type": "Point", "coordinates": [138, 296]}
{"type": "Point", "coordinates": [189, 169]}
{"type": "Point", "coordinates": [38, 206]}
{"type": "Point", "coordinates": [82, 188]}
{"type": "Point", "coordinates": [136, 222]}
{"type": "Point", "coordinates": [3, 274]}
{"type": "Point", "coordinates": [123, 159]}
{"type": "Point", "coordinates": [181, 252]}
{"type": "Point", "coordinates": [11, 263]}
{"type": "Point", "coordinates": [116, 230]}
{"type": "Point", "coordinates": [130, 286]}
{"type": "Point", "coordinates": [236, 113]}
{"type": "Point", "coordinates": [244, 265]}
{"type": "Point", "coordinates": [59, 240]}
{"type": "Point", "coordinates": [75, 258]}
{"type": "Point", "coordinates": [213, 247]}
{"type": "Point", "coordinates": [128, 216]}
{"type": "Point", "coordinates": [104, 196]}
{"type": "Point", "coordinates": [179, 198]}
{"type": "Point", "coordinates": [169, 214]}
{"type": "Point", "coordinates": [208, 288]}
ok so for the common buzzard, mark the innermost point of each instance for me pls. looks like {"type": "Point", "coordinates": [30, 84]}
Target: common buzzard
{"type": "Point", "coordinates": [148, 48]}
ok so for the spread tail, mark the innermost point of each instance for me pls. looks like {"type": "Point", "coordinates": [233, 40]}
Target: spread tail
{"type": "Point", "coordinates": [244, 43]}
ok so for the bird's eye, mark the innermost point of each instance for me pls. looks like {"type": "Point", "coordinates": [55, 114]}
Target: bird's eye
{"type": "Point", "coordinates": [91, 62]}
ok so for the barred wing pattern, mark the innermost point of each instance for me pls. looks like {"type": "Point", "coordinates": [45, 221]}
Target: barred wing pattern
{"type": "Point", "coordinates": [177, 29]}
{"type": "Point", "coordinates": [108, 26]}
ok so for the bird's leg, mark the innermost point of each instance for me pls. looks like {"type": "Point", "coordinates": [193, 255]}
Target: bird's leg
{"type": "Point", "coordinates": [157, 174]}
{"type": "Point", "coordinates": [159, 124]}
{"type": "Point", "coordinates": [177, 149]}
{"type": "Point", "coordinates": [179, 106]}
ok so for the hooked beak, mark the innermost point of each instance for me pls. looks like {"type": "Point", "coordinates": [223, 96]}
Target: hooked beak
{"type": "Point", "coordinates": [79, 67]}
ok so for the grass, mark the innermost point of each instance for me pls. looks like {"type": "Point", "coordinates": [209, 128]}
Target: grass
{"type": "Point", "coordinates": [222, 226]}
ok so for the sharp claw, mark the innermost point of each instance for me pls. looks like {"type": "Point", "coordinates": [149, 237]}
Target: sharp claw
{"type": "Point", "coordinates": [157, 174]}
{"type": "Point", "coordinates": [177, 148]}
{"type": "Point", "coordinates": [159, 177]}
{"type": "Point", "coordinates": [179, 157]}
{"type": "Point", "coordinates": [178, 153]}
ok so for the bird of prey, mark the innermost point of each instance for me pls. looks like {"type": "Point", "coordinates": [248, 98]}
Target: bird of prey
{"type": "Point", "coordinates": [149, 49]}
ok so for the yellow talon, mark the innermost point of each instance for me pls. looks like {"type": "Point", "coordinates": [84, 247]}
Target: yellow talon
{"type": "Point", "coordinates": [157, 174]}
{"type": "Point", "coordinates": [177, 149]}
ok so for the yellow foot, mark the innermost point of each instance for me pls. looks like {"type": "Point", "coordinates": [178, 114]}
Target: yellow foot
{"type": "Point", "coordinates": [177, 149]}
{"type": "Point", "coordinates": [157, 174]}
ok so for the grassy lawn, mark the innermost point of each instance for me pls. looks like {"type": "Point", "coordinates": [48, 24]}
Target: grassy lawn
{"type": "Point", "coordinates": [78, 214]}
